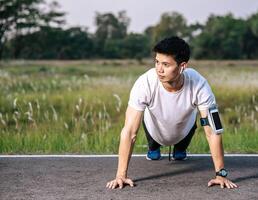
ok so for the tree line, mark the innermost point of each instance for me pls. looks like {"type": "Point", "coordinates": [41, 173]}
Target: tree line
{"type": "Point", "coordinates": [33, 29]}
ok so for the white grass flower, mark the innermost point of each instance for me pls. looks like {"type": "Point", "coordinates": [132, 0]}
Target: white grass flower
{"type": "Point", "coordinates": [104, 107]}
{"type": "Point", "coordinates": [92, 121]}
{"type": "Point", "coordinates": [38, 105]}
{"type": "Point", "coordinates": [87, 115]}
{"type": "Point", "coordinates": [2, 120]}
{"type": "Point", "coordinates": [30, 108]}
{"type": "Point", "coordinates": [17, 114]}
{"type": "Point", "coordinates": [16, 121]}
{"type": "Point", "coordinates": [46, 115]}
{"type": "Point", "coordinates": [86, 76]}
{"type": "Point", "coordinates": [28, 113]}
{"type": "Point", "coordinates": [235, 130]}
{"type": "Point", "coordinates": [31, 119]}
{"type": "Point", "coordinates": [83, 136]}
{"type": "Point", "coordinates": [100, 115]}
{"type": "Point", "coordinates": [44, 137]}
{"type": "Point", "coordinates": [119, 102]}
{"type": "Point", "coordinates": [15, 103]}
{"type": "Point", "coordinates": [14, 118]}
{"type": "Point", "coordinates": [80, 101]}
{"type": "Point", "coordinates": [77, 108]}
{"type": "Point", "coordinates": [55, 117]}
{"type": "Point", "coordinates": [66, 125]}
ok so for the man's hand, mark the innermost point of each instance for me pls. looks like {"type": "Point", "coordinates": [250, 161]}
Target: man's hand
{"type": "Point", "coordinates": [222, 182]}
{"type": "Point", "coordinates": [119, 181]}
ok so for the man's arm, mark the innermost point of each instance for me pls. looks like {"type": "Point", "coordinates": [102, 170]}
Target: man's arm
{"type": "Point", "coordinates": [128, 136]}
{"type": "Point", "coordinates": [217, 153]}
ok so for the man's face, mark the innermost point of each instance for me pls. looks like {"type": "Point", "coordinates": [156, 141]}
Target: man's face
{"type": "Point", "coordinates": [166, 68]}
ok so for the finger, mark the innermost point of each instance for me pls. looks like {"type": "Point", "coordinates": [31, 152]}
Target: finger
{"type": "Point", "coordinates": [222, 185]}
{"type": "Point", "coordinates": [234, 185]}
{"type": "Point", "coordinates": [114, 185]}
{"type": "Point", "coordinates": [211, 183]}
{"type": "Point", "coordinates": [130, 182]}
{"type": "Point", "coordinates": [228, 185]}
{"type": "Point", "coordinates": [120, 183]}
{"type": "Point", "coordinates": [231, 185]}
{"type": "Point", "coordinates": [108, 184]}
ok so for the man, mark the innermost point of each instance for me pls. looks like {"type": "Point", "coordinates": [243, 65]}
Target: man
{"type": "Point", "coordinates": [167, 98]}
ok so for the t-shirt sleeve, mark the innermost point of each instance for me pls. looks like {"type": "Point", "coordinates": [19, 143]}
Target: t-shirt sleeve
{"type": "Point", "coordinates": [205, 97]}
{"type": "Point", "coordinates": [140, 95]}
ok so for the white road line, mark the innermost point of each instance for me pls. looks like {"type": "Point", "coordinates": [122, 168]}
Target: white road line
{"type": "Point", "coordinates": [114, 156]}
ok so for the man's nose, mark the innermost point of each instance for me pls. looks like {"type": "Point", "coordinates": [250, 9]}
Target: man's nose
{"type": "Point", "coordinates": [159, 67]}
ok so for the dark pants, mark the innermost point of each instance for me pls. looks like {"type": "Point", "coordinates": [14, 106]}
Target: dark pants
{"type": "Point", "coordinates": [181, 146]}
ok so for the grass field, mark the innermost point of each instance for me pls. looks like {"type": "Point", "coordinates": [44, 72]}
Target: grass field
{"type": "Point", "coordinates": [78, 106]}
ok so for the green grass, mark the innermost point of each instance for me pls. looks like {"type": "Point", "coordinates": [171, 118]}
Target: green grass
{"type": "Point", "coordinates": [78, 106]}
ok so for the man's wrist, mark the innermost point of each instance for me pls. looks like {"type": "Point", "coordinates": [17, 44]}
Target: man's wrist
{"type": "Point", "coordinates": [222, 173]}
{"type": "Point", "coordinates": [121, 175]}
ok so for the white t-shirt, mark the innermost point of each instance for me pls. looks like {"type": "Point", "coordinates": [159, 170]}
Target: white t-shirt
{"type": "Point", "coordinates": [169, 116]}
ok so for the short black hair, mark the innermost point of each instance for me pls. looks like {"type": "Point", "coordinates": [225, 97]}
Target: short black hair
{"type": "Point", "coordinates": [175, 47]}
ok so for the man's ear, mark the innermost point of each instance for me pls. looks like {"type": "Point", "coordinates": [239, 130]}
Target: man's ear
{"type": "Point", "coordinates": [183, 65]}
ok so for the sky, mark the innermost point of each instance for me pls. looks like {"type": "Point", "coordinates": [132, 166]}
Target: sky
{"type": "Point", "coordinates": [144, 13]}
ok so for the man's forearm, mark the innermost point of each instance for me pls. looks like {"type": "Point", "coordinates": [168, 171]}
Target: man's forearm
{"type": "Point", "coordinates": [216, 149]}
{"type": "Point", "coordinates": [127, 141]}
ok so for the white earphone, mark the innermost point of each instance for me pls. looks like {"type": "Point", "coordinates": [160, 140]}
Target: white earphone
{"type": "Point", "coordinates": [181, 70]}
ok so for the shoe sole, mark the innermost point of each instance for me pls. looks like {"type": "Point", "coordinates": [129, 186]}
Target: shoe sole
{"type": "Point", "coordinates": [147, 158]}
{"type": "Point", "coordinates": [180, 159]}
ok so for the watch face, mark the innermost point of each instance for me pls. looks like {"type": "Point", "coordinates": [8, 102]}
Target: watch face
{"type": "Point", "coordinates": [223, 173]}
{"type": "Point", "coordinates": [204, 122]}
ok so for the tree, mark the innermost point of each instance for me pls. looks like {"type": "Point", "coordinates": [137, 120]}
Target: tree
{"type": "Point", "coordinates": [109, 27]}
{"type": "Point", "coordinates": [170, 24]}
{"type": "Point", "coordinates": [24, 16]}
{"type": "Point", "coordinates": [221, 38]}
{"type": "Point", "coordinates": [251, 37]}
{"type": "Point", "coordinates": [136, 46]}
{"type": "Point", "coordinates": [52, 43]}
{"type": "Point", "coordinates": [132, 46]}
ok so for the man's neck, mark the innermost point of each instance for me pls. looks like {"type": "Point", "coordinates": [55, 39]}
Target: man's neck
{"type": "Point", "coordinates": [174, 85]}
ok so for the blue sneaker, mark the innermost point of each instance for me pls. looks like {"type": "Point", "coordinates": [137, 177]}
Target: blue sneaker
{"type": "Point", "coordinates": [179, 155]}
{"type": "Point", "coordinates": [153, 155]}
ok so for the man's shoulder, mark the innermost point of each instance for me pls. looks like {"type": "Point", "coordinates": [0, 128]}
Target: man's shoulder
{"type": "Point", "coordinates": [151, 73]}
{"type": "Point", "coordinates": [149, 76]}
{"type": "Point", "coordinates": [194, 75]}
{"type": "Point", "coordinates": [148, 81]}
{"type": "Point", "coordinates": [192, 71]}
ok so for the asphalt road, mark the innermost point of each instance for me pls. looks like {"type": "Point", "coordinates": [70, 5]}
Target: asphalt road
{"type": "Point", "coordinates": [86, 178]}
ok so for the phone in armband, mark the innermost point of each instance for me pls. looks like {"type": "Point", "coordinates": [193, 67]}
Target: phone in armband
{"type": "Point", "coordinates": [214, 119]}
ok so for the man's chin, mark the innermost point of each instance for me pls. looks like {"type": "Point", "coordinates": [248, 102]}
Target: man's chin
{"type": "Point", "coordinates": [162, 78]}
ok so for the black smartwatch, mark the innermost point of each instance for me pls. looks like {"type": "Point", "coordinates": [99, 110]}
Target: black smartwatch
{"type": "Point", "coordinates": [204, 121]}
{"type": "Point", "coordinates": [223, 173]}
